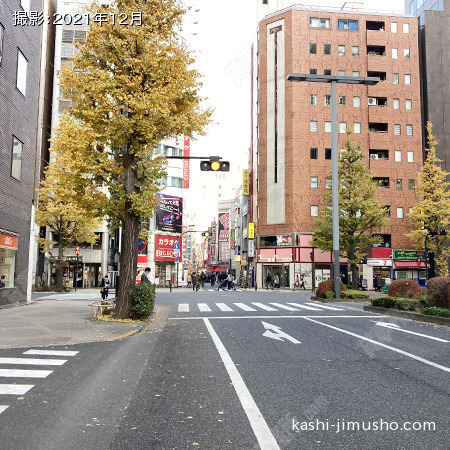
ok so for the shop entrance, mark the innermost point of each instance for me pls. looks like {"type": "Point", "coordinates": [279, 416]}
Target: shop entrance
{"type": "Point", "coordinates": [282, 270]}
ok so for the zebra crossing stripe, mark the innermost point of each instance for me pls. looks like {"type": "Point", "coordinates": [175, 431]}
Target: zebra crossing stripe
{"type": "Point", "coordinates": [298, 305]}
{"type": "Point", "coordinates": [3, 407]}
{"type": "Point", "coordinates": [326, 307]}
{"type": "Point", "coordinates": [50, 352]}
{"type": "Point", "coordinates": [33, 361]}
{"type": "Point", "coordinates": [13, 373]}
{"type": "Point", "coordinates": [279, 305]}
{"type": "Point", "coordinates": [244, 307]}
{"type": "Point", "coordinates": [223, 307]}
{"type": "Point", "coordinates": [265, 307]}
{"type": "Point", "coordinates": [15, 389]}
{"type": "Point", "coordinates": [183, 307]}
{"type": "Point", "coordinates": [203, 307]}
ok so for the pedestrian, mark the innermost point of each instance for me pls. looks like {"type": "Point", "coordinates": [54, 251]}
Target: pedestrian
{"type": "Point", "coordinates": [276, 282]}
{"type": "Point", "coordinates": [189, 280]}
{"type": "Point", "coordinates": [302, 285]}
{"type": "Point", "coordinates": [229, 281]}
{"type": "Point", "coordinates": [194, 280]}
{"type": "Point", "coordinates": [144, 276]}
{"type": "Point", "coordinates": [268, 281]}
{"type": "Point", "coordinates": [212, 279]}
{"type": "Point", "coordinates": [297, 282]}
{"type": "Point", "coordinates": [104, 285]}
{"type": "Point", "coordinates": [379, 283]}
{"type": "Point", "coordinates": [375, 283]}
{"type": "Point", "coordinates": [360, 282]}
{"type": "Point", "coordinates": [203, 278]}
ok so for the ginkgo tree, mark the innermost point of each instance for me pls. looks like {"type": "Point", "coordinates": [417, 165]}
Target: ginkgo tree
{"type": "Point", "coordinates": [432, 211]}
{"type": "Point", "coordinates": [69, 201]}
{"type": "Point", "coordinates": [132, 87]}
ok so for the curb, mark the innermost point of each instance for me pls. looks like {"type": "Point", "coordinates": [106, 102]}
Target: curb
{"type": "Point", "coordinates": [409, 315]}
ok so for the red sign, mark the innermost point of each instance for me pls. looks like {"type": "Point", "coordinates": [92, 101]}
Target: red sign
{"type": "Point", "coordinates": [186, 152]}
{"type": "Point", "coordinates": [6, 240]}
{"type": "Point", "coordinates": [164, 246]}
{"type": "Point", "coordinates": [77, 250]}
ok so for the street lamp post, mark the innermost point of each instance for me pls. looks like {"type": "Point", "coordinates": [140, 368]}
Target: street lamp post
{"type": "Point", "coordinates": [368, 81]}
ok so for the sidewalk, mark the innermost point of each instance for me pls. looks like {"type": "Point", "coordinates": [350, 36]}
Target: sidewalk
{"type": "Point", "coordinates": [57, 319]}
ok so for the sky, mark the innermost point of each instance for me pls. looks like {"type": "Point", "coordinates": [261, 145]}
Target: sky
{"type": "Point", "coordinates": [225, 31]}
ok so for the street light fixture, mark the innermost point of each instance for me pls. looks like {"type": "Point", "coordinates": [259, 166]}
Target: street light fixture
{"type": "Point", "coordinates": [333, 79]}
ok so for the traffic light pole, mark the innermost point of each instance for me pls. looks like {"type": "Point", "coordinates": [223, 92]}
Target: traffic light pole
{"type": "Point", "coordinates": [76, 276]}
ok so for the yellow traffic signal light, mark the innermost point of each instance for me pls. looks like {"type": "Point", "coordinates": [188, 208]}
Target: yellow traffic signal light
{"type": "Point", "coordinates": [215, 166]}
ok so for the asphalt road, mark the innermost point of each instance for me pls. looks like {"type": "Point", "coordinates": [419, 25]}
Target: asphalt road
{"type": "Point", "coordinates": [243, 370]}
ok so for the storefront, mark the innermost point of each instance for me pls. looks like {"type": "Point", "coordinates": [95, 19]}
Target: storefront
{"type": "Point", "coordinates": [410, 264]}
{"type": "Point", "coordinates": [8, 258]}
{"type": "Point", "coordinates": [168, 260]}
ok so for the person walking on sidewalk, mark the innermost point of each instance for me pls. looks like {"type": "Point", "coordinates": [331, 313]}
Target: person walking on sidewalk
{"type": "Point", "coordinates": [104, 285]}
{"type": "Point", "coordinates": [276, 282]}
{"type": "Point", "coordinates": [268, 281]}
{"type": "Point", "coordinates": [144, 276]}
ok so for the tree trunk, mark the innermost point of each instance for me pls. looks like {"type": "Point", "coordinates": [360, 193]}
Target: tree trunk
{"type": "Point", "coordinates": [353, 267]}
{"type": "Point", "coordinates": [60, 271]}
{"type": "Point", "coordinates": [128, 265]}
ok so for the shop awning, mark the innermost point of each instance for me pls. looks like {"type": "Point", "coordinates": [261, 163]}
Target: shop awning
{"type": "Point", "coordinates": [410, 265]}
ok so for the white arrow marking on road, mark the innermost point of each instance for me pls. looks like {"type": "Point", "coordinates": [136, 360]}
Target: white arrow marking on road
{"type": "Point", "coordinates": [274, 332]}
{"type": "Point", "coordinates": [392, 326]}
{"type": "Point", "coordinates": [3, 407]}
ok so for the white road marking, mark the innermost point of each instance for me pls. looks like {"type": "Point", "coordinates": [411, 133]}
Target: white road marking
{"type": "Point", "coordinates": [15, 389]}
{"type": "Point", "coordinates": [33, 361]}
{"type": "Point", "coordinates": [50, 352]}
{"type": "Point", "coordinates": [12, 373]}
{"type": "Point", "coordinates": [211, 290]}
{"type": "Point", "coordinates": [3, 407]}
{"type": "Point", "coordinates": [299, 305]}
{"type": "Point", "coordinates": [262, 432]}
{"type": "Point", "coordinates": [333, 308]}
{"type": "Point", "coordinates": [274, 332]}
{"type": "Point", "coordinates": [265, 307]}
{"type": "Point", "coordinates": [272, 317]}
{"type": "Point", "coordinates": [239, 290]}
{"type": "Point", "coordinates": [392, 326]}
{"type": "Point", "coordinates": [203, 307]}
{"type": "Point", "coordinates": [183, 307]}
{"type": "Point", "coordinates": [244, 307]}
{"type": "Point", "coordinates": [223, 307]}
{"type": "Point", "coordinates": [402, 352]}
{"type": "Point", "coordinates": [289, 308]}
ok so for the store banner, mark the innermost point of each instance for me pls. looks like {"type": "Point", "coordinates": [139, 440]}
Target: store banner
{"type": "Point", "coordinates": [7, 240]}
{"type": "Point", "coordinates": [165, 246]}
{"type": "Point", "coordinates": [245, 182]}
{"type": "Point", "coordinates": [169, 213]}
{"type": "Point", "coordinates": [251, 230]}
{"type": "Point", "coordinates": [186, 168]}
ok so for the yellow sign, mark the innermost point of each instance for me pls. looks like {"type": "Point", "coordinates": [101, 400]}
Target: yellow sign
{"type": "Point", "coordinates": [245, 183]}
{"type": "Point", "coordinates": [237, 257]}
{"type": "Point", "coordinates": [251, 230]}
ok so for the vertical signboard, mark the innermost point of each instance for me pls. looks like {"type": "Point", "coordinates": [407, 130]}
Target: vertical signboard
{"type": "Point", "coordinates": [245, 182]}
{"type": "Point", "coordinates": [186, 152]}
{"type": "Point", "coordinates": [224, 235]}
{"type": "Point", "coordinates": [169, 213]}
{"type": "Point", "coordinates": [251, 230]}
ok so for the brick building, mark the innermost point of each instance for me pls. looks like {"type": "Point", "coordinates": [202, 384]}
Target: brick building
{"type": "Point", "coordinates": [294, 130]}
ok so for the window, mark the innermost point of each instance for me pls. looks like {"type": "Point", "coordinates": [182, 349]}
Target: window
{"type": "Point", "coordinates": [413, 7]}
{"type": "Point", "coordinates": [312, 48]}
{"type": "Point", "coordinates": [327, 49]}
{"type": "Point", "coordinates": [407, 78]}
{"type": "Point", "coordinates": [342, 100]}
{"type": "Point", "coordinates": [410, 156]}
{"type": "Point", "coordinates": [381, 182]}
{"type": "Point", "coordinates": [357, 128]}
{"type": "Point", "coordinates": [327, 182]}
{"type": "Point", "coordinates": [406, 53]}
{"type": "Point", "coordinates": [355, 50]}
{"type": "Point", "coordinates": [328, 153]}
{"type": "Point", "coordinates": [356, 102]}
{"type": "Point", "coordinates": [2, 33]}
{"type": "Point", "coordinates": [343, 127]}
{"type": "Point", "coordinates": [313, 126]}
{"type": "Point", "coordinates": [313, 71]}
{"type": "Point", "coordinates": [313, 99]}
{"type": "Point", "coordinates": [315, 22]}
{"type": "Point", "coordinates": [395, 78]}
{"type": "Point", "coordinates": [327, 127]}
{"type": "Point", "coordinates": [21, 82]}
{"type": "Point", "coordinates": [16, 159]}
{"type": "Point", "coordinates": [411, 184]}
{"type": "Point", "coordinates": [435, 7]}
{"type": "Point", "coordinates": [408, 104]}
{"type": "Point", "coordinates": [397, 129]}
{"type": "Point", "coordinates": [327, 72]}
{"type": "Point", "coordinates": [396, 103]}
{"type": "Point", "coordinates": [313, 153]}
{"type": "Point", "coordinates": [398, 156]}
{"type": "Point", "coordinates": [341, 73]}
{"type": "Point", "coordinates": [355, 73]}
{"type": "Point", "coordinates": [314, 182]}
{"type": "Point", "coordinates": [327, 100]}
{"type": "Point", "coordinates": [314, 210]}
{"type": "Point", "coordinates": [347, 24]}
{"type": "Point", "coordinates": [399, 213]}
{"type": "Point", "coordinates": [399, 184]}
{"type": "Point", "coordinates": [406, 28]}
{"type": "Point", "coordinates": [393, 27]}
{"type": "Point", "coordinates": [25, 4]}
{"type": "Point", "coordinates": [409, 130]}
{"type": "Point", "coordinates": [387, 208]}
{"type": "Point", "coordinates": [395, 53]}
{"type": "Point", "coordinates": [341, 50]}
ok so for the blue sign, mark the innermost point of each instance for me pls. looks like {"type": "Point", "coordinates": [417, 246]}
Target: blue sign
{"type": "Point", "coordinates": [176, 245]}
{"type": "Point", "coordinates": [141, 245]}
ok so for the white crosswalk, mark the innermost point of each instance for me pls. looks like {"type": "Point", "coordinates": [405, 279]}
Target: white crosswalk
{"type": "Point", "coordinates": [12, 373]}
{"type": "Point", "coordinates": [253, 306]}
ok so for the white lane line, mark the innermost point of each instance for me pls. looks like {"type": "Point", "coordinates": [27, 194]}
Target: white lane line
{"type": "Point", "coordinates": [15, 389]}
{"type": "Point", "coordinates": [223, 307]}
{"type": "Point", "coordinates": [203, 307]}
{"type": "Point", "coordinates": [50, 352]}
{"type": "Point", "coordinates": [183, 307]}
{"type": "Point", "coordinates": [273, 316]}
{"type": "Point", "coordinates": [13, 373]}
{"type": "Point", "coordinates": [265, 307]}
{"type": "Point", "coordinates": [262, 431]}
{"type": "Point", "coordinates": [289, 308]}
{"type": "Point", "coordinates": [33, 361]}
{"type": "Point", "coordinates": [3, 407]}
{"type": "Point", "coordinates": [333, 308]}
{"type": "Point", "coordinates": [245, 307]}
{"type": "Point", "coordinates": [394, 349]}
{"type": "Point", "coordinates": [211, 290]}
{"type": "Point", "coordinates": [239, 290]}
{"type": "Point", "coordinates": [299, 305]}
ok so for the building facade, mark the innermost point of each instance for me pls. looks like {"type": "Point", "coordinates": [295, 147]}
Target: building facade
{"type": "Point", "coordinates": [294, 130]}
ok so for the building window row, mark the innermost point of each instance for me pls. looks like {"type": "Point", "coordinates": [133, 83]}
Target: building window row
{"type": "Point", "coordinates": [384, 155]}
{"type": "Point", "coordinates": [353, 25]}
{"type": "Point", "coordinates": [314, 211]}
{"type": "Point", "coordinates": [372, 101]}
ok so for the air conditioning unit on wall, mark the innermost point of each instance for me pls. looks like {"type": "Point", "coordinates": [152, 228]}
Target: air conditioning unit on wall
{"type": "Point", "coordinates": [372, 101]}
{"type": "Point", "coordinates": [373, 156]}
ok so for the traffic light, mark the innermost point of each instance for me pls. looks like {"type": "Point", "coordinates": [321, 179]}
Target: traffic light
{"type": "Point", "coordinates": [438, 232]}
{"type": "Point", "coordinates": [206, 234]}
{"type": "Point", "coordinates": [215, 165]}
{"type": "Point", "coordinates": [77, 250]}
